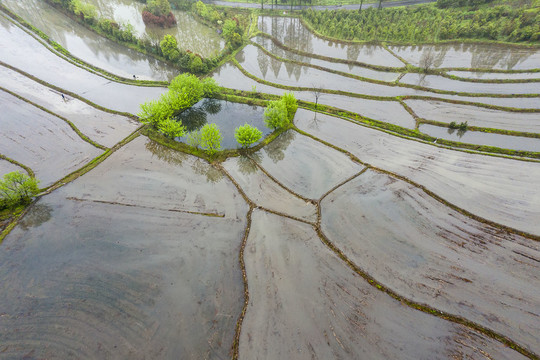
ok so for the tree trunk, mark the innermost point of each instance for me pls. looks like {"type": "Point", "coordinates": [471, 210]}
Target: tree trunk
{"type": "Point", "coordinates": [360, 9]}
{"type": "Point", "coordinates": [380, 4]}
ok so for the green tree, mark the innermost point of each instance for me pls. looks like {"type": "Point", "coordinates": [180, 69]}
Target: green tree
{"type": "Point", "coordinates": [88, 11]}
{"type": "Point", "coordinates": [153, 112]}
{"type": "Point", "coordinates": [196, 64]}
{"type": "Point", "coordinates": [210, 138]}
{"type": "Point", "coordinates": [290, 102]}
{"type": "Point", "coordinates": [171, 128]}
{"type": "Point", "coordinates": [275, 115]}
{"type": "Point", "coordinates": [17, 188]}
{"type": "Point", "coordinates": [159, 7]}
{"type": "Point", "coordinates": [200, 8]}
{"type": "Point", "coordinates": [229, 28]}
{"type": "Point", "coordinates": [185, 90]}
{"type": "Point", "coordinates": [194, 139]}
{"type": "Point", "coordinates": [169, 47]}
{"type": "Point", "coordinates": [247, 135]}
{"type": "Point", "coordinates": [210, 86]}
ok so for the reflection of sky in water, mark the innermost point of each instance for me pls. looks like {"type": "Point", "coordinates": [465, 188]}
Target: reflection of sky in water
{"type": "Point", "coordinates": [227, 116]}
{"type": "Point", "coordinates": [481, 138]}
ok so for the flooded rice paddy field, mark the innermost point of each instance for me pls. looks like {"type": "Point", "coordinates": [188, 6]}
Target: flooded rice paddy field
{"type": "Point", "coordinates": [258, 63]}
{"type": "Point", "coordinates": [190, 34]}
{"type": "Point", "coordinates": [470, 55]}
{"type": "Point", "coordinates": [271, 47]}
{"type": "Point", "coordinates": [102, 127]}
{"type": "Point", "coordinates": [127, 263]}
{"type": "Point", "coordinates": [482, 138]}
{"type": "Point", "coordinates": [347, 247]}
{"type": "Point", "coordinates": [499, 189]}
{"type": "Point", "coordinates": [496, 76]}
{"type": "Point", "coordinates": [435, 255]}
{"type": "Point", "coordinates": [45, 65]}
{"type": "Point", "coordinates": [479, 117]}
{"type": "Point", "coordinates": [7, 167]}
{"type": "Point", "coordinates": [293, 34]}
{"type": "Point", "coordinates": [442, 83]}
{"type": "Point", "coordinates": [86, 44]}
{"type": "Point", "coordinates": [41, 141]}
{"type": "Point", "coordinates": [306, 303]}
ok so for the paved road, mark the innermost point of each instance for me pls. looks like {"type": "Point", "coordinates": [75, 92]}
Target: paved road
{"type": "Point", "coordinates": [329, 7]}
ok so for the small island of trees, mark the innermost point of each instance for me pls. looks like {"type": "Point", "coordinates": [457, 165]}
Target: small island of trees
{"type": "Point", "coordinates": [158, 12]}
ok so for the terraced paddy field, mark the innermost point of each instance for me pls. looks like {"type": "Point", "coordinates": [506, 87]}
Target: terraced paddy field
{"type": "Point", "coordinates": [369, 229]}
{"type": "Point", "coordinates": [85, 44]}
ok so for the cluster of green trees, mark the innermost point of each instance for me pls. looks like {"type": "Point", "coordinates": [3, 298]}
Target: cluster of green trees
{"type": "Point", "coordinates": [278, 113]}
{"type": "Point", "coordinates": [185, 90]}
{"type": "Point", "coordinates": [188, 60]}
{"type": "Point", "coordinates": [158, 12]}
{"type": "Point", "coordinates": [16, 189]}
{"type": "Point", "coordinates": [460, 3]}
{"type": "Point", "coordinates": [232, 29]}
{"type": "Point", "coordinates": [429, 24]}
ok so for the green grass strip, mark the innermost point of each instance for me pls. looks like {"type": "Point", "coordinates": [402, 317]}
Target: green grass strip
{"type": "Point", "coordinates": [29, 171]}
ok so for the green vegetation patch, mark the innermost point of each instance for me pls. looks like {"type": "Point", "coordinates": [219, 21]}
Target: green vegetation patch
{"type": "Point", "coordinates": [429, 24]}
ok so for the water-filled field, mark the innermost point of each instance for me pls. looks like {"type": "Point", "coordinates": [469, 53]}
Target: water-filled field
{"type": "Point", "coordinates": [87, 45]}
{"type": "Point", "coordinates": [191, 34]}
{"type": "Point", "coordinates": [350, 235]}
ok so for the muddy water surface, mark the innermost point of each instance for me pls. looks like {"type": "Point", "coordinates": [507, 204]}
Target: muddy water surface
{"type": "Point", "coordinates": [118, 270]}
{"type": "Point", "coordinates": [498, 189]}
{"type": "Point", "coordinates": [43, 142]}
{"type": "Point", "coordinates": [434, 255]}
{"type": "Point", "coordinates": [43, 64]}
{"type": "Point", "coordinates": [305, 303]}
{"type": "Point", "coordinates": [292, 33]}
{"type": "Point", "coordinates": [89, 46]}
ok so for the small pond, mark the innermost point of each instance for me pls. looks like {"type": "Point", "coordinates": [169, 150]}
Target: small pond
{"type": "Point", "coordinates": [226, 115]}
